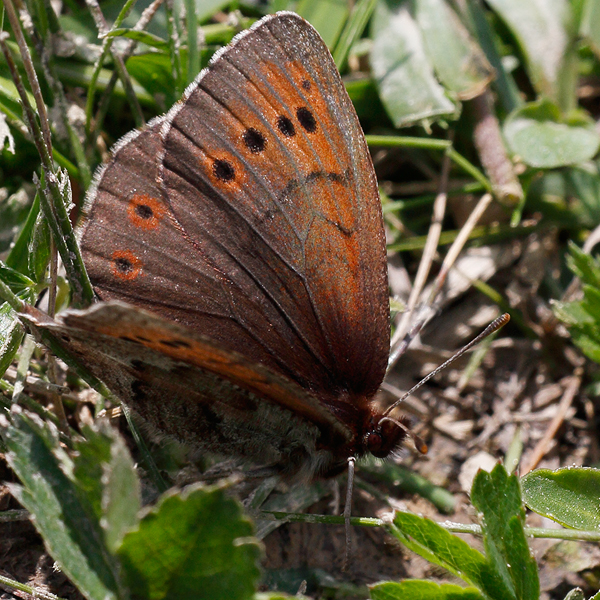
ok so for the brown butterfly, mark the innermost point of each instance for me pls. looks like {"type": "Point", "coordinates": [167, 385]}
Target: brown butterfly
{"type": "Point", "coordinates": [237, 245]}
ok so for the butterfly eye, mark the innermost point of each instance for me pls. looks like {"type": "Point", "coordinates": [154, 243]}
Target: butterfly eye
{"type": "Point", "coordinates": [385, 436]}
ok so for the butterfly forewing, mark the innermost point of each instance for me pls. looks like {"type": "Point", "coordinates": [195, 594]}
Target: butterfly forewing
{"type": "Point", "coordinates": [287, 208]}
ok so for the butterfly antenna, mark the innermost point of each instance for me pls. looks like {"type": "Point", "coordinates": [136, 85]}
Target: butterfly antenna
{"type": "Point", "coordinates": [348, 512]}
{"type": "Point", "coordinates": [491, 328]}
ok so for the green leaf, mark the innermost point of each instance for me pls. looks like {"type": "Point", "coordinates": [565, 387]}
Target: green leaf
{"type": "Point", "coordinates": [30, 253]}
{"type": "Point", "coordinates": [568, 496]}
{"type": "Point", "coordinates": [509, 96]}
{"type": "Point", "coordinates": [61, 512]}
{"type": "Point", "coordinates": [140, 36]}
{"type": "Point", "coordinates": [589, 26]}
{"type": "Point", "coordinates": [277, 596]}
{"type": "Point", "coordinates": [404, 75]}
{"type": "Point", "coordinates": [497, 496]}
{"type": "Point", "coordinates": [571, 313]}
{"type": "Point", "coordinates": [458, 61]}
{"type": "Point", "coordinates": [11, 336]}
{"type": "Point", "coordinates": [205, 9]}
{"type": "Point", "coordinates": [104, 469]}
{"type": "Point", "coordinates": [194, 544]}
{"type": "Point", "coordinates": [422, 590]}
{"type": "Point", "coordinates": [328, 17]}
{"type": "Point", "coordinates": [9, 95]}
{"type": "Point", "coordinates": [583, 316]}
{"type": "Point", "coordinates": [440, 547]}
{"type": "Point", "coordinates": [585, 201]}
{"type": "Point", "coordinates": [586, 267]}
{"type": "Point", "coordinates": [355, 25]}
{"type": "Point", "coordinates": [538, 136]}
{"type": "Point", "coordinates": [121, 495]}
{"type": "Point", "coordinates": [17, 282]}
{"type": "Point", "coordinates": [541, 30]}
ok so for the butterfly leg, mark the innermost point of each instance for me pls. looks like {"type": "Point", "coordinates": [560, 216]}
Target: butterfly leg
{"type": "Point", "coordinates": [348, 512]}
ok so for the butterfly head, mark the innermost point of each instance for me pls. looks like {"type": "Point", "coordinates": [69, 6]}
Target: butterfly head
{"type": "Point", "coordinates": [384, 436]}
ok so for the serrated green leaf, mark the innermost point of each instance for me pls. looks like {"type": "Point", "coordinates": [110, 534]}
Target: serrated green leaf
{"type": "Point", "coordinates": [583, 317]}
{"type": "Point", "coordinates": [497, 496]}
{"type": "Point", "coordinates": [91, 455]}
{"type": "Point", "coordinates": [586, 267]}
{"type": "Point", "coordinates": [591, 301]}
{"type": "Point", "coordinates": [571, 313]}
{"type": "Point", "coordinates": [194, 544]}
{"type": "Point", "coordinates": [422, 590]}
{"type": "Point", "coordinates": [568, 496]}
{"type": "Point", "coordinates": [440, 547]}
{"type": "Point", "coordinates": [61, 513]}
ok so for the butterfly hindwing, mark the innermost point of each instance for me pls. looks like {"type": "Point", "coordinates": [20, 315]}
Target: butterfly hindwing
{"type": "Point", "coordinates": [184, 386]}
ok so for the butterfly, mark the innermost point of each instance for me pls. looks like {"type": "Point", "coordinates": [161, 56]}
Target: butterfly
{"type": "Point", "coordinates": [237, 247]}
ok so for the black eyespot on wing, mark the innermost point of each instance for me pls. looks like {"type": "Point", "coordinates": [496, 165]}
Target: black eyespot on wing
{"type": "Point", "coordinates": [306, 119]}
{"type": "Point", "coordinates": [144, 211]}
{"type": "Point", "coordinates": [285, 125]}
{"type": "Point", "coordinates": [123, 265]}
{"type": "Point", "coordinates": [223, 170]}
{"type": "Point", "coordinates": [255, 141]}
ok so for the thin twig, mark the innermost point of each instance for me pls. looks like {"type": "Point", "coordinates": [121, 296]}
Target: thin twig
{"type": "Point", "coordinates": [458, 244]}
{"type": "Point", "coordinates": [433, 236]}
